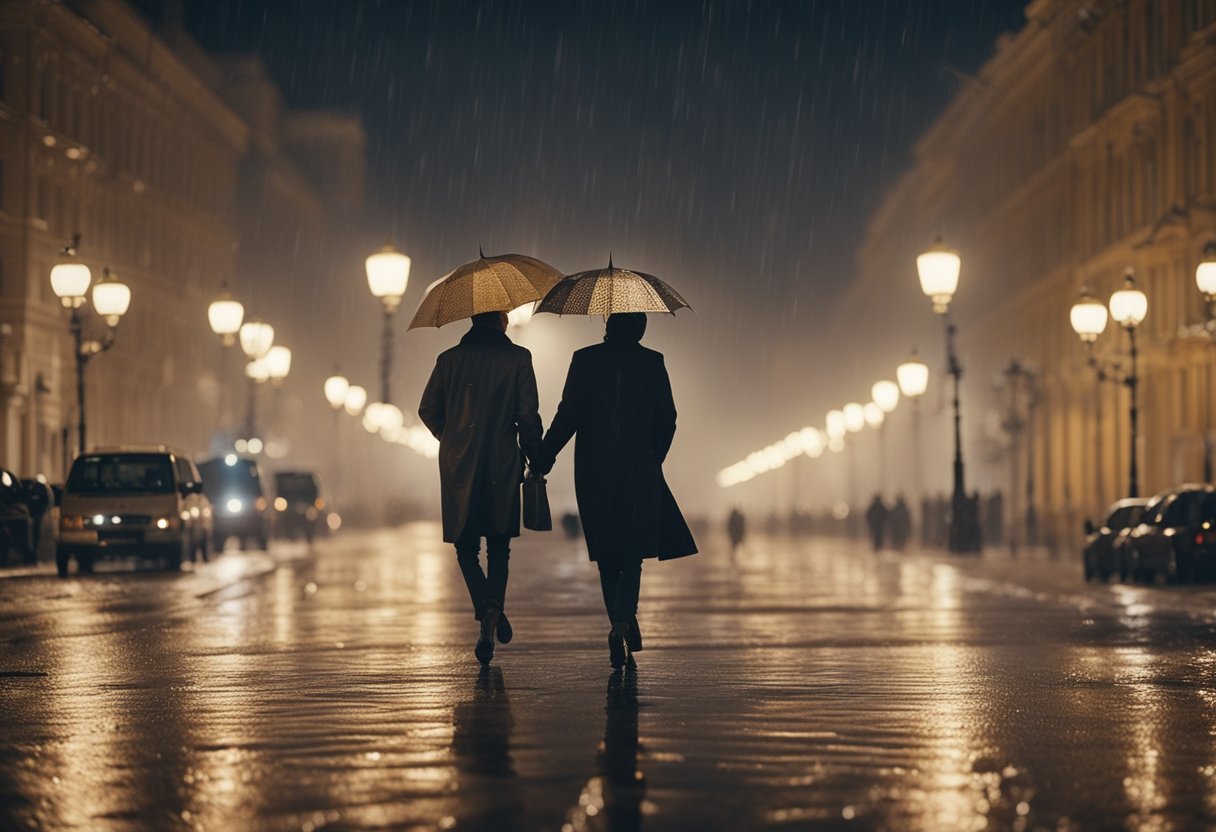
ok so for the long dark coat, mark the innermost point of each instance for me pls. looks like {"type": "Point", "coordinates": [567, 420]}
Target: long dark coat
{"type": "Point", "coordinates": [481, 405]}
{"type": "Point", "coordinates": [618, 401]}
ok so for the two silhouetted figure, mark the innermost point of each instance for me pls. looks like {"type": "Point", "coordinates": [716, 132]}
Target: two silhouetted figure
{"type": "Point", "coordinates": [481, 404]}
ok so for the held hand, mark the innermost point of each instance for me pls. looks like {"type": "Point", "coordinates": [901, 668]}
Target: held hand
{"type": "Point", "coordinates": [539, 467]}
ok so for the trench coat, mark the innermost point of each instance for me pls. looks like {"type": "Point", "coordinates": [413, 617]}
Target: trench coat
{"type": "Point", "coordinates": [481, 404]}
{"type": "Point", "coordinates": [618, 402]}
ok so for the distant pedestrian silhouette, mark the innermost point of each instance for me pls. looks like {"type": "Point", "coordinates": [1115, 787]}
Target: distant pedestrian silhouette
{"type": "Point", "coordinates": [618, 401]}
{"type": "Point", "coordinates": [736, 529]}
{"type": "Point", "coordinates": [900, 523]}
{"type": "Point", "coordinates": [481, 404]}
{"type": "Point", "coordinates": [876, 521]}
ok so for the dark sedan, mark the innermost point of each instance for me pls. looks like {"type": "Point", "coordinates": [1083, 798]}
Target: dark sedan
{"type": "Point", "coordinates": [1177, 536]}
{"type": "Point", "coordinates": [1103, 543]}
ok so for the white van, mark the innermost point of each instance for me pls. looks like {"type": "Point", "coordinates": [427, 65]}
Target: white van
{"type": "Point", "coordinates": [147, 502]}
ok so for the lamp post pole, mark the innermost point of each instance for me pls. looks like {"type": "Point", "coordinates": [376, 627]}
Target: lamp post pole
{"type": "Point", "coordinates": [70, 280]}
{"type": "Point", "coordinates": [388, 274]}
{"type": "Point", "coordinates": [939, 269]}
{"type": "Point", "coordinates": [1205, 280]}
{"type": "Point", "coordinates": [913, 379]}
{"type": "Point", "coordinates": [1128, 306]}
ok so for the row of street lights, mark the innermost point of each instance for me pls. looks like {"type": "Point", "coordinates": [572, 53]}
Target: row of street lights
{"type": "Point", "coordinates": [912, 382]}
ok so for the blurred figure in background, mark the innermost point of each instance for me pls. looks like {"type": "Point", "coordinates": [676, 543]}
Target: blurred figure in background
{"type": "Point", "coordinates": [876, 521]}
{"type": "Point", "coordinates": [900, 522]}
{"type": "Point", "coordinates": [736, 529]}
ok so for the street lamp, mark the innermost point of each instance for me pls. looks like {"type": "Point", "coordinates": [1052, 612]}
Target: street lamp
{"type": "Point", "coordinates": [278, 363]}
{"type": "Point", "coordinates": [70, 281]}
{"type": "Point", "coordinates": [225, 314]}
{"type": "Point", "coordinates": [257, 337]}
{"type": "Point", "coordinates": [1205, 279]}
{"type": "Point", "coordinates": [913, 379]}
{"type": "Point", "coordinates": [885, 395]}
{"type": "Point", "coordinates": [1128, 308]}
{"type": "Point", "coordinates": [335, 390]}
{"type": "Point", "coordinates": [938, 269]}
{"type": "Point", "coordinates": [854, 417]}
{"type": "Point", "coordinates": [356, 398]}
{"type": "Point", "coordinates": [388, 273]}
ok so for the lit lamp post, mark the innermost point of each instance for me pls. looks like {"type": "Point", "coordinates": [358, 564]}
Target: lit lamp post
{"type": "Point", "coordinates": [388, 273]}
{"type": "Point", "coordinates": [913, 379]}
{"type": "Point", "coordinates": [70, 281]}
{"type": "Point", "coordinates": [885, 395]}
{"type": "Point", "coordinates": [225, 314]}
{"type": "Point", "coordinates": [1205, 279]}
{"type": "Point", "coordinates": [854, 422]}
{"type": "Point", "coordinates": [1088, 317]}
{"type": "Point", "coordinates": [938, 269]}
{"type": "Point", "coordinates": [336, 387]}
{"type": "Point", "coordinates": [256, 338]}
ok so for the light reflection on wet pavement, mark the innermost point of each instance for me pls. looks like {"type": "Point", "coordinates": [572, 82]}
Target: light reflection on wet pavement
{"type": "Point", "coordinates": [804, 685]}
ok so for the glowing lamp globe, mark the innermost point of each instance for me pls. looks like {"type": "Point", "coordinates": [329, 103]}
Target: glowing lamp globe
{"type": "Point", "coordinates": [258, 370]}
{"type": "Point", "coordinates": [1129, 305]}
{"type": "Point", "coordinates": [278, 362]}
{"type": "Point", "coordinates": [886, 395]}
{"type": "Point", "coordinates": [70, 282]}
{"type": "Point", "coordinates": [854, 417]}
{"type": "Point", "coordinates": [520, 315]}
{"type": "Point", "coordinates": [939, 269]}
{"type": "Point", "coordinates": [835, 424]}
{"type": "Point", "coordinates": [1088, 317]}
{"type": "Point", "coordinates": [875, 415]}
{"type": "Point", "coordinates": [111, 298]}
{"type": "Point", "coordinates": [257, 337]}
{"type": "Point", "coordinates": [1205, 272]}
{"type": "Point", "coordinates": [335, 391]}
{"type": "Point", "coordinates": [388, 273]}
{"type": "Point", "coordinates": [356, 399]}
{"type": "Point", "coordinates": [226, 314]}
{"type": "Point", "coordinates": [913, 377]}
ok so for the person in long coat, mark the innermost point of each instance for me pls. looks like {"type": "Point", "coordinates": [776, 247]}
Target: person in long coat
{"type": "Point", "coordinates": [618, 402]}
{"type": "Point", "coordinates": [482, 406]}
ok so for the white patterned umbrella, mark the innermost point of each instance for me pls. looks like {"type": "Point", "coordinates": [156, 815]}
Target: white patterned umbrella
{"type": "Point", "coordinates": [488, 284]}
{"type": "Point", "coordinates": [609, 291]}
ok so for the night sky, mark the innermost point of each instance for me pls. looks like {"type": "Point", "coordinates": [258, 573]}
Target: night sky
{"type": "Point", "coordinates": [736, 149]}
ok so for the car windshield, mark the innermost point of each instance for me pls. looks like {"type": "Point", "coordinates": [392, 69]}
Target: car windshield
{"type": "Point", "coordinates": [1125, 517]}
{"type": "Point", "coordinates": [224, 480]}
{"type": "Point", "coordinates": [296, 486]}
{"type": "Point", "coordinates": [122, 473]}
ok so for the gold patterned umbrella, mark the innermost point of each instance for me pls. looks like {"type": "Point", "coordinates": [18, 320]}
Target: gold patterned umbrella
{"type": "Point", "coordinates": [611, 290]}
{"type": "Point", "coordinates": [488, 284]}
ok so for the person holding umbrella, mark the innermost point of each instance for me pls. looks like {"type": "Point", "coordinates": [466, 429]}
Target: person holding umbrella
{"type": "Point", "coordinates": [618, 401]}
{"type": "Point", "coordinates": [481, 404]}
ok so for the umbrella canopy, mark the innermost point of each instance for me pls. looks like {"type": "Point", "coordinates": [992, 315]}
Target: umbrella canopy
{"type": "Point", "coordinates": [609, 291]}
{"type": "Point", "coordinates": [488, 284]}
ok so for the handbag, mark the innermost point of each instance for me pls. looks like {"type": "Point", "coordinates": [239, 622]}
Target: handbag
{"type": "Point", "coordinates": [536, 505]}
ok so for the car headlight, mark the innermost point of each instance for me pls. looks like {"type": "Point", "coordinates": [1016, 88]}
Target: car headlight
{"type": "Point", "coordinates": [164, 523]}
{"type": "Point", "coordinates": [234, 506]}
{"type": "Point", "coordinates": [72, 522]}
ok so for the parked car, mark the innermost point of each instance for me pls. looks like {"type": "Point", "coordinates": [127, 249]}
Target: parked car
{"type": "Point", "coordinates": [1104, 544]}
{"type": "Point", "coordinates": [298, 505]}
{"type": "Point", "coordinates": [235, 487]}
{"type": "Point", "coordinates": [1177, 536]}
{"type": "Point", "coordinates": [145, 501]}
{"type": "Point", "coordinates": [16, 523]}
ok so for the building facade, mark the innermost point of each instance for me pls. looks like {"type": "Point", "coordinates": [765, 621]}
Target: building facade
{"type": "Point", "coordinates": [1084, 147]}
{"type": "Point", "coordinates": [106, 131]}
{"type": "Point", "coordinates": [183, 172]}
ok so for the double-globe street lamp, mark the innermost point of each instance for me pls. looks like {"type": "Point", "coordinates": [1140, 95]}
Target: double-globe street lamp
{"type": "Point", "coordinates": [1205, 280]}
{"type": "Point", "coordinates": [70, 280]}
{"type": "Point", "coordinates": [388, 274]}
{"type": "Point", "coordinates": [1128, 306]}
{"type": "Point", "coordinates": [256, 338]}
{"type": "Point", "coordinates": [938, 269]}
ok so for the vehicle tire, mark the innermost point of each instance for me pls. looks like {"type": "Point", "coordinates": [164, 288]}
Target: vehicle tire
{"type": "Point", "coordinates": [173, 558]}
{"type": "Point", "coordinates": [1184, 570]}
{"type": "Point", "coordinates": [84, 563]}
{"type": "Point", "coordinates": [62, 558]}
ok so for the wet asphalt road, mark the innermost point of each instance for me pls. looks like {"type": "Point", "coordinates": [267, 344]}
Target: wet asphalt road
{"type": "Point", "coordinates": [802, 685]}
